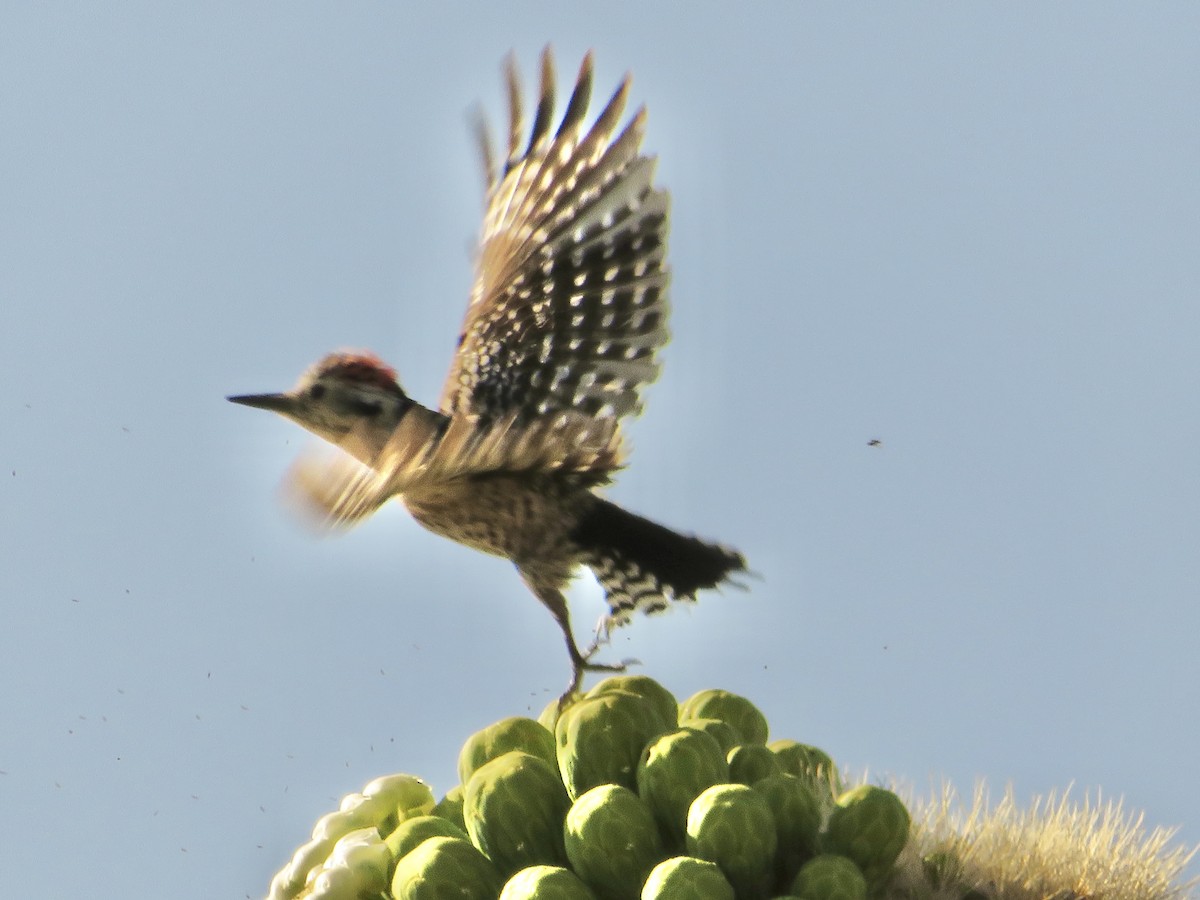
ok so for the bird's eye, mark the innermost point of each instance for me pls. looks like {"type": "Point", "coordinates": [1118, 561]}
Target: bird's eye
{"type": "Point", "coordinates": [317, 391]}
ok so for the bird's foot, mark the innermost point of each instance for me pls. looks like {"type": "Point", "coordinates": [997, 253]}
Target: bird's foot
{"type": "Point", "coordinates": [583, 664]}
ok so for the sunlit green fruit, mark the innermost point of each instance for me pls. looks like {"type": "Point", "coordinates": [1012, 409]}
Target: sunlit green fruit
{"type": "Point", "coordinates": [674, 769]}
{"type": "Point", "coordinates": [546, 883]}
{"type": "Point", "coordinates": [797, 814]}
{"type": "Point", "coordinates": [724, 733]}
{"type": "Point", "coordinates": [870, 826]}
{"type": "Point", "coordinates": [513, 733]}
{"type": "Point", "coordinates": [732, 826]}
{"type": "Point", "coordinates": [450, 807]}
{"type": "Point", "coordinates": [830, 877]}
{"type": "Point", "coordinates": [749, 763]}
{"type": "Point", "coordinates": [687, 878]}
{"type": "Point", "coordinates": [600, 739]}
{"type": "Point", "coordinates": [807, 761]}
{"type": "Point", "coordinates": [737, 711]}
{"type": "Point", "coordinates": [411, 833]}
{"type": "Point", "coordinates": [612, 841]}
{"type": "Point", "coordinates": [514, 808]}
{"type": "Point", "coordinates": [444, 868]}
{"type": "Point", "coordinates": [548, 717]}
{"type": "Point", "coordinates": [642, 686]}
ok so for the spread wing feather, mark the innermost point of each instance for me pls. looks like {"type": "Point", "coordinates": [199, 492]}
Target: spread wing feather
{"type": "Point", "coordinates": [569, 305]}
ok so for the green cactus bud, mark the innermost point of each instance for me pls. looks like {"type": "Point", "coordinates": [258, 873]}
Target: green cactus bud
{"type": "Point", "coordinates": [797, 814]}
{"type": "Point", "coordinates": [807, 761]}
{"type": "Point", "coordinates": [612, 841]}
{"type": "Point", "coordinates": [450, 807]}
{"type": "Point", "coordinates": [749, 763]}
{"type": "Point", "coordinates": [732, 826]}
{"type": "Point", "coordinates": [726, 735]}
{"type": "Point", "coordinates": [744, 716]}
{"type": "Point", "coordinates": [600, 739]}
{"type": "Point", "coordinates": [514, 808]}
{"type": "Point", "coordinates": [514, 733]}
{"type": "Point", "coordinates": [546, 883]}
{"type": "Point", "coordinates": [830, 877]}
{"type": "Point", "coordinates": [642, 686]}
{"type": "Point", "coordinates": [548, 717]}
{"type": "Point", "coordinates": [870, 826]}
{"type": "Point", "coordinates": [673, 770]}
{"type": "Point", "coordinates": [687, 878]}
{"type": "Point", "coordinates": [411, 833]}
{"type": "Point", "coordinates": [445, 868]}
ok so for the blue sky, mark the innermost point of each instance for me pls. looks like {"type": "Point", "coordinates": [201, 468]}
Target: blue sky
{"type": "Point", "coordinates": [967, 230]}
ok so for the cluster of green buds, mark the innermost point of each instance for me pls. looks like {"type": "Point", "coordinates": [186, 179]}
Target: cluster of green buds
{"type": "Point", "coordinates": [624, 795]}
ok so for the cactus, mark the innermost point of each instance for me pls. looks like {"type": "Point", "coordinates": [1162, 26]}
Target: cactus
{"type": "Point", "coordinates": [757, 820]}
{"type": "Point", "coordinates": [732, 826]}
{"type": "Point", "coordinates": [807, 761]}
{"type": "Point", "coordinates": [600, 739]}
{"type": "Point", "coordinates": [724, 733]}
{"type": "Point", "coordinates": [749, 763]}
{"type": "Point", "coordinates": [830, 877]}
{"type": "Point", "coordinates": [515, 733]}
{"type": "Point", "coordinates": [687, 878]}
{"type": "Point", "coordinates": [546, 883]}
{"type": "Point", "coordinates": [450, 807]}
{"type": "Point", "coordinates": [645, 687]}
{"type": "Point", "coordinates": [797, 814]}
{"type": "Point", "coordinates": [870, 826]}
{"type": "Point", "coordinates": [674, 769]}
{"type": "Point", "coordinates": [444, 868]}
{"type": "Point", "coordinates": [411, 833]}
{"type": "Point", "coordinates": [612, 841]}
{"type": "Point", "coordinates": [514, 808]}
{"type": "Point", "coordinates": [746, 719]}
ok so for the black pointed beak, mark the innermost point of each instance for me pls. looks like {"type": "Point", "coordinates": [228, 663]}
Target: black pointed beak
{"type": "Point", "coordinates": [280, 403]}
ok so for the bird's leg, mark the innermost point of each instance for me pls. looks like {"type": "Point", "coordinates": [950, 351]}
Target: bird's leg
{"type": "Point", "coordinates": [552, 598]}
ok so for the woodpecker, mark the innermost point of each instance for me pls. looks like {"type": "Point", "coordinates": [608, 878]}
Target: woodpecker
{"type": "Point", "coordinates": [567, 312]}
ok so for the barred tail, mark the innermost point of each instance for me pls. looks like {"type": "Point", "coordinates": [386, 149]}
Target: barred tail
{"type": "Point", "coordinates": [644, 566]}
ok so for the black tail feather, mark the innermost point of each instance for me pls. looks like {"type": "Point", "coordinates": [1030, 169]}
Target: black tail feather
{"type": "Point", "coordinates": [645, 566]}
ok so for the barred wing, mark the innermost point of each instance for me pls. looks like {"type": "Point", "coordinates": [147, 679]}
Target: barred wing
{"type": "Point", "coordinates": [569, 304]}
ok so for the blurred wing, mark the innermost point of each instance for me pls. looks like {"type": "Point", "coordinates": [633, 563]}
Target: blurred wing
{"type": "Point", "coordinates": [339, 492]}
{"type": "Point", "coordinates": [327, 491]}
{"type": "Point", "coordinates": [569, 304]}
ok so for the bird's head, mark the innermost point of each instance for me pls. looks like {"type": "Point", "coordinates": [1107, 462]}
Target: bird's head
{"type": "Point", "coordinates": [342, 394]}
